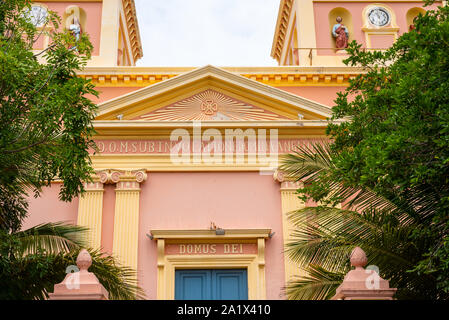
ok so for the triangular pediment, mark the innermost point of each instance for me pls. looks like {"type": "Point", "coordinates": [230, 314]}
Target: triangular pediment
{"type": "Point", "coordinates": [209, 94]}
{"type": "Point", "coordinates": [209, 105]}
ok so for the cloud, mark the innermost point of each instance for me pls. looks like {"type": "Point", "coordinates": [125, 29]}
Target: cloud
{"type": "Point", "coordinates": [200, 32]}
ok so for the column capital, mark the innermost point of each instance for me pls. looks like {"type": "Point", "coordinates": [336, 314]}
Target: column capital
{"type": "Point", "coordinates": [112, 176]}
{"type": "Point", "coordinates": [95, 185]}
{"type": "Point", "coordinates": [287, 182]}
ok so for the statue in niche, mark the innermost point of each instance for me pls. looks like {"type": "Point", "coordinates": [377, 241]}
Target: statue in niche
{"type": "Point", "coordinates": [75, 28]}
{"type": "Point", "coordinates": [412, 26]}
{"type": "Point", "coordinates": [341, 34]}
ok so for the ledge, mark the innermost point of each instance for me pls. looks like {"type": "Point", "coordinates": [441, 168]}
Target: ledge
{"type": "Point", "coordinates": [211, 234]}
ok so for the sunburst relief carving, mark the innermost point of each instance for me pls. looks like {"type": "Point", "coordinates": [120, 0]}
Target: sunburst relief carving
{"type": "Point", "coordinates": [210, 105]}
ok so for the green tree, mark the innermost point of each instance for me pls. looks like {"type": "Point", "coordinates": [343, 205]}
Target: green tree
{"type": "Point", "coordinates": [34, 260]}
{"type": "Point", "coordinates": [325, 235]}
{"type": "Point", "coordinates": [45, 117]}
{"type": "Point", "coordinates": [45, 134]}
{"type": "Point", "coordinates": [395, 141]}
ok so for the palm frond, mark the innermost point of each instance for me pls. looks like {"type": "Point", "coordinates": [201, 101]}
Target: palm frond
{"type": "Point", "coordinates": [326, 236]}
{"type": "Point", "coordinates": [314, 164]}
{"type": "Point", "coordinates": [120, 281]}
{"type": "Point", "coordinates": [318, 284]}
{"type": "Point", "coordinates": [54, 238]}
{"type": "Point", "coordinates": [381, 224]}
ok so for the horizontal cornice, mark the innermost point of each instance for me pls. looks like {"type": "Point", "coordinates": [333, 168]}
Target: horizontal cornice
{"type": "Point", "coordinates": [106, 129]}
{"type": "Point", "coordinates": [273, 76]}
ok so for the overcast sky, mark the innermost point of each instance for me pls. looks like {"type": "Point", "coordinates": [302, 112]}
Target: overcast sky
{"type": "Point", "coordinates": [200, 32]}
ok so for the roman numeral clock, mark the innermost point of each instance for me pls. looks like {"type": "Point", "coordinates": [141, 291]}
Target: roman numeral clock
{"type": "Point", "coordinates": [38, 15]}
{"type": "Point", "coordinates": [379, 26]}
{"type": "Point", "coordinates": [379, 17]}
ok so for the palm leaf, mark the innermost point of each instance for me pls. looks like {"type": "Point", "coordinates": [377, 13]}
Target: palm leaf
{"type": "Point", "coordinates": [119, 281]}
{"type": "Point", "coordinates": [54, 238]}
{"type": "Point", "coordinates": [319, 284]}
{"type": "Point", "coordinates": [382, 225]}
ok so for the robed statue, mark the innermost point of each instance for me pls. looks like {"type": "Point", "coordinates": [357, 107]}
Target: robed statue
{"type": "Point", "coordinates": [341, 34]}
{"type": "Point", "coordinates": [75, 29]}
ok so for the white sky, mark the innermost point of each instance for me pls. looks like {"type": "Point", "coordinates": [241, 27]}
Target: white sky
{"type": "Point", "coordinates": [194, 33]}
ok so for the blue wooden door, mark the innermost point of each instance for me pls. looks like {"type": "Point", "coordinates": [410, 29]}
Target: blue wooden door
{"type": "Point", "coordinates": [220, 284]}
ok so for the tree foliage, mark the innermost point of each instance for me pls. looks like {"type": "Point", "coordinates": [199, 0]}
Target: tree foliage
{"type": "Point", "coordinates": [393, 150]}
{"type": "Point", "coordinates": [324, 236]}
{"type": "Point", "coordinates": [45, 117]}
{"type": "Point", "coordinates": [45, 134]}
{"type": "Point", "coordinates": [34, 260]}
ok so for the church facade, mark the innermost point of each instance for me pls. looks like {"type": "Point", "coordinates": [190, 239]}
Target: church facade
{"type": "Point", "coordinates": [187, 190]}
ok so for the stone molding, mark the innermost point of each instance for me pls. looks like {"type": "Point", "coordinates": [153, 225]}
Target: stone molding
{"type": "Point", "coordinates": [112, 176]}
{"type": "Point", "coordinates": [287, 183]}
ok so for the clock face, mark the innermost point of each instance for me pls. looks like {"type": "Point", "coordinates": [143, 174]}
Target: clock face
{"type": "Point", "coordinates": [37, 15]}
{"type": "Point", "coordinates": [379, 17]}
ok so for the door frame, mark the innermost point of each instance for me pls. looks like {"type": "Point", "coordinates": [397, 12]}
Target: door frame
{"type": "Point", "coordinates": [254, 263]}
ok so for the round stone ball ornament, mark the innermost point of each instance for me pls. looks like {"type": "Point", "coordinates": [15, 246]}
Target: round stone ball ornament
{"type": "Point", "coordinates": [379, 17]}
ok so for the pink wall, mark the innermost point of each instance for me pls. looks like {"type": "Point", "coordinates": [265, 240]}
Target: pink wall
{"type": "Point", "coordinates": [323, 95]}
{"type": "Point", "coordinates": [107, 228]}
{"type": "Point", "coordinates": [93, 17]}
{"type": "Point", "coordinates": [232, 200]}
{"type": "Point", "coordinates": [48, 208]}
{"type": "Point", "coordinates": [323, 30]}
{"type": "Point", "coordinates": [108, 93]}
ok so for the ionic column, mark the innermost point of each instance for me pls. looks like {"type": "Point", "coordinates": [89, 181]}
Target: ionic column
{"type": "Point", "coordinates": [126, 219]}
{"type": "Point", "coordinates": [290, 202]}
{"type": "Point", "coordinates": [90, 212]}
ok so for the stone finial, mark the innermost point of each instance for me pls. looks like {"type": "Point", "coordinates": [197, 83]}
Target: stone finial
{"type": "Point", "coordinates": [84, 260]}
{"type": "Point", "coordinates": [358, 258]}
{"type": "Point", "coordinates": [361, 284]}
{"type": "Point", "coordinates": [82, 285]}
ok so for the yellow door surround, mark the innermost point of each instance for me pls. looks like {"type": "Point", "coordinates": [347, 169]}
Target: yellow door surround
{"type": "Point", "coordinates": [253, 262]}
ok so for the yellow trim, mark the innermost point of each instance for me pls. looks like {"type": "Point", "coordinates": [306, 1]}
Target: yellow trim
{"type": "Point", "coordinates": [290, 202]}
{"type": "Point", "coordinates": [285, 8]}
{"type": "Point", "coordinates": [273, 98]}
{"type": "Point", "coordinates": [90, 212]}
{"type": "Point", "coordinates": [126, 227]}
{"type": "Point", "coordinates": [284, 76]}
{"type": "Point", "coordinates": [167, 264]}
{"type": "Point", "coordinates": [210, 234]}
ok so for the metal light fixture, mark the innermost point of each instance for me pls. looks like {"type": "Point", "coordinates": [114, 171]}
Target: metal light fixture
{"type": "Point", "coordinates": [220, 232]}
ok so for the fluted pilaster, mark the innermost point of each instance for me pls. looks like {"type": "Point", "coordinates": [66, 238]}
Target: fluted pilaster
{"type": "Point", "coordinates": [126, 219]}
{"type": "Point", "coordinates": [290, 202]}
{"type": "Point", "coordinates": [90, 212]}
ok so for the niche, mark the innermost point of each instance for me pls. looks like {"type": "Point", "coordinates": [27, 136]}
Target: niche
{"type": "Point", "coordinates": [70, 13]}
{"type": "Point", "coordinates": [347, 21]}
{"type": "Point", "coordinates": [412, 14]}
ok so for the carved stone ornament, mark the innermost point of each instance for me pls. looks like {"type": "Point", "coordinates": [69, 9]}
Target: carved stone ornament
{"type": "Point", "coordinates": [358, 258]}
{"type": "Point", "coordinates": [287, 183]}
{"type": "Point", "coordinates": [116, 176]}
{"type": "Point", "coordinates": [80, 284]}
{"type": "Point", "coordinates": [279, 176]}
{"type": "Point", "coordinates": [363, 284]}
{"type": "Point", "coordinates": [84, 260]}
